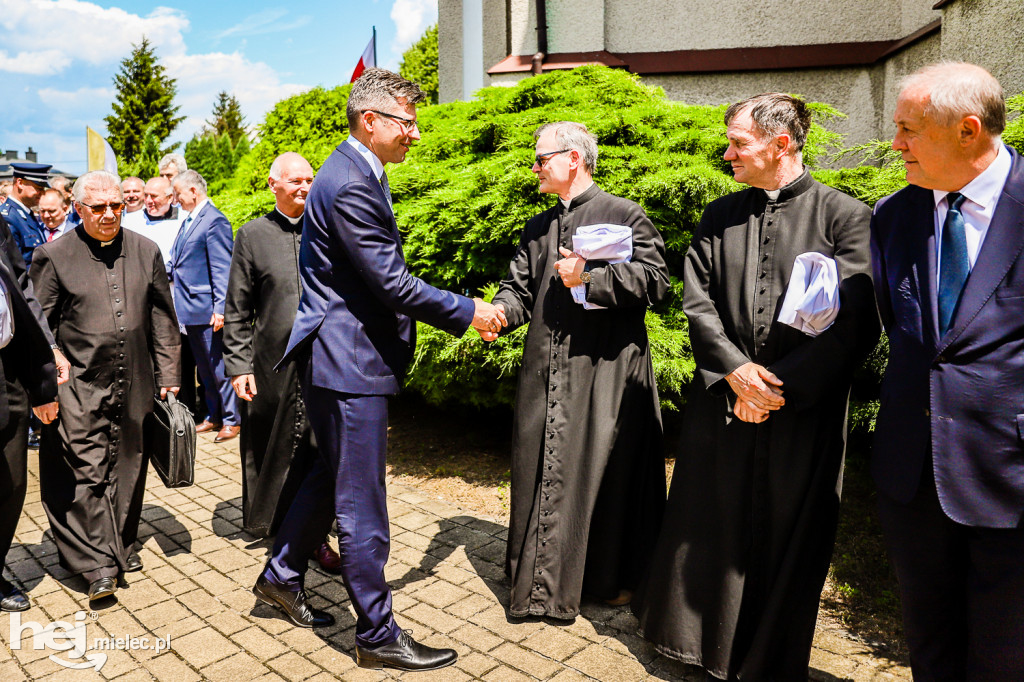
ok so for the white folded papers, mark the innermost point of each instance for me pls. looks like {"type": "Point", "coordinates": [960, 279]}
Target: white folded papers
{"type": "Point", "coordinates": [611, 243]}
{"type": "Point", "coordinates": [812, 299]}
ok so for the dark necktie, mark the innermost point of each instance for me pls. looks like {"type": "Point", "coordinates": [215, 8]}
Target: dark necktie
{"type": "Point", "coordinates": [953, 267]}
{"type": "Point", "coordinates": [180, 237]}
{"type": "Point", "coordinates": [387, 188]}
{"type": "Point", "coordinates": [53, 233]}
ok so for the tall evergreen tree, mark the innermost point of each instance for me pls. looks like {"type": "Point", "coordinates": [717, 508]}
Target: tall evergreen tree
{"type": "Point", "coordinates": [419, 63]}
{"type": "Point", "coordinates": [227, 117]}
{"type": "Point", "coordinates": [144, 101]}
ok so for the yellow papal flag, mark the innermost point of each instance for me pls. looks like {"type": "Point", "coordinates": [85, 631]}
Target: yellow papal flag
{"type": "Point", "coordinates": [101, 154]}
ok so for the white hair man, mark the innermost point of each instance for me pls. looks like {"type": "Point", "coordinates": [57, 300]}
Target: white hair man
{"type": "Point", "coordinates": [200, 264]}
{"type": "Point", "coordinates": [158, 220]}
{"type": "Point", "coordinates": [588, 421]}
{"type": "Point", "coordinates": [171, 165]}
{"type": "Point", "coordinates": [105, 294]}
{"type": "Point", "coordinates": [948, 256]}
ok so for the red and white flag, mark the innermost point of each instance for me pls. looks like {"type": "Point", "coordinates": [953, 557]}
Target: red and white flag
{"type": "Point", "coordinates": [368, 59]}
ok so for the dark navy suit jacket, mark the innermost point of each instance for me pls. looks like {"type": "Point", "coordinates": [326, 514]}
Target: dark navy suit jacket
{"type": "Point", "coordinates": [200, 265]}
{"type": "Point", "coordinates": [359, 302]}
{"type": "Point", "coordinates": [959, 396]}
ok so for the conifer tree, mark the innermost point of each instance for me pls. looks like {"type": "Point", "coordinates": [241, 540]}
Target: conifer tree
{"type": "Point", "coordinates": [227, 118]}
{"type": "Point", "coordinates": [419, 63]}
{"type": "Point", "coordinates": [144, 101]}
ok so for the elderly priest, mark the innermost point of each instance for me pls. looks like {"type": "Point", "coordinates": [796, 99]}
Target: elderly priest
{"type": "Point", "coordinates": [105, 295]}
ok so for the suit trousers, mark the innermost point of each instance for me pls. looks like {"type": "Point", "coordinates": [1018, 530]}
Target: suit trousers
{"type": "Point", "coordinates": [961, 588]}
{"type": "Point", "coordinates": [346, 482]}
{"type": "Point", "coordinates": [13, 466]}
{"type": "Point", "coordinates": [208, 349]}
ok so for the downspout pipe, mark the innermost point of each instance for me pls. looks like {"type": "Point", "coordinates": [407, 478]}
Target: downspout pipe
{"type": "Point", "coordinates": [542, 38]}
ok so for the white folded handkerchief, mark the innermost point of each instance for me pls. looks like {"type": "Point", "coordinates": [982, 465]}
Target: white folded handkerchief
{"type": "Point", "coordinates": [6, 317]}
{"type": "Point", "coordinates": [611, 243]}
{"type": "Point", "coordinates": [812, 299]}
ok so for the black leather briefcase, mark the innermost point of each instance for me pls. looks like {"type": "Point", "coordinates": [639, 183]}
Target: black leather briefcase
{"type": "Point", "coordinates": [170, 433]}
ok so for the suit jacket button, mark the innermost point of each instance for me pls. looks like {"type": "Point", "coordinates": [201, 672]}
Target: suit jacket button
{"type": "Point", "coordinates": [941, 358]}
{"type": "Point", "coordinates": [927, 412]}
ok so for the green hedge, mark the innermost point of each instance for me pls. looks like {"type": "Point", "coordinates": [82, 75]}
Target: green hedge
{"type": "Point", "coordinates": [466, 190]}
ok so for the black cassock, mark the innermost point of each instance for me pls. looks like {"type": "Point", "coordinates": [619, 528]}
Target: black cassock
{"type": "Point", "coordinates": [276, 441]}
{"type": "Point", "coordinates": [588, 470]}
{"type": "Point", "coordinates": [752, 512]}
{"type": "Point", "coordinates": [110, 310]}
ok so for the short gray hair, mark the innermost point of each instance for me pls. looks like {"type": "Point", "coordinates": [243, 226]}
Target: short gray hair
{"type": "Point", "coordinates": [276, 168]}
{"type": "Point", "coordinates": [177, 160]}
{"type": "Point", "coordinates": [189, 179]}
{"type": "Point", "coordinates": [957, 90]}
{"type": "Point", "coordinates": [93, 180]}
{"type": "Point", "coordinates": [379, 89]}
{"type": "Point", "coordinates": [572, 135]}
{"type": "Point", "coordinates": [775, 113]}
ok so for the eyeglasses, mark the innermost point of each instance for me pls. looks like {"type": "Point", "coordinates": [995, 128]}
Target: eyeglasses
{"type": "Point", "coordinates": [541, 159]}
{"type": "Point", "coordinates": [101, 209]}
{"type": "Point", "coordinates": [407, 124]}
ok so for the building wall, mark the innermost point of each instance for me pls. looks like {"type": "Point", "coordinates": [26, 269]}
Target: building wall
{"type": "Point", "coordinates": [989, 33]}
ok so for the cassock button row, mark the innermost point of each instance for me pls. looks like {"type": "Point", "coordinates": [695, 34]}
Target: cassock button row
{"type": "Point", "coordinates": [122, 329]}
{"type": "Point", "coordinates": [763, 290]}
{"type": "Point", "coordinates": [760, 330]}
{"type": "Point", "coordinates": [760, 309]}
{"type": "Point", "coordinates": [763, 273]}
{"type": "Point", "coordinates": [764, 258]}
{"type": "Point", "coordinates": [115, 287]}
{"type": "Point", "coordinates": [117, 300]}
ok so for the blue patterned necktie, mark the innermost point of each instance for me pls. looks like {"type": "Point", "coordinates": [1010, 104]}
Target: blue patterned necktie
{"type": "Point", "coordinates": [953, 266]}
{"type": "Point", "coordinates": [384, 185]}
{"type": "Point", "coordinates": [180, 237]}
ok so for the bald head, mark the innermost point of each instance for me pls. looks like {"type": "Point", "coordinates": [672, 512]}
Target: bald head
{"type": "Point", "coordinates": [290, 179]}
{"type": "Point", "coordinates": [156, 195]}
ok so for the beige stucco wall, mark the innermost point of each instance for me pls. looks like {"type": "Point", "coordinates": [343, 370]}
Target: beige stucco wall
{"type": "Point", "coordinates": [989, 33]}
{"type": "Point", "coordinates": [449, 50]}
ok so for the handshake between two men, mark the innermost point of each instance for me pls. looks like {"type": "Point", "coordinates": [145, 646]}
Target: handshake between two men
{"type": "Point", "coordinates": [489, 319]}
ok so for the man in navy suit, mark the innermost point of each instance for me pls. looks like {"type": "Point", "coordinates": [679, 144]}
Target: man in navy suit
{"type": "Point", "coordinates": [353, 338]}
{"type": "Point", "coordinates": [200, 263]}
{"type": "Point", "coordinates": [948, 256]}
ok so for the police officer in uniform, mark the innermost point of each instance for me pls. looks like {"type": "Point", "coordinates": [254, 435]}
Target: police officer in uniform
{"type": "Point", "coordinates": [30, 179]}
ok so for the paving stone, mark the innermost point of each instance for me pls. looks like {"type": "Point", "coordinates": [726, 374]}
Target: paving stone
{"type": "Point", "coordinates": [555, 643]}
{"type": "Point", "coordinates": [241, 666]}
{"type": "Point", "coordinates": [433, 617]}
{"type": "Point", "coordinates": [476, 637]}
{"type": "Point", "coordinates": [203, 647]}
{"type": "Point", "coordinates": [505, 674]}
{"type": "Point", "coordinates": [476, 664]}
{"type": "Point", "coordinates": [441, 594]}
{"type": "Point", "coordinates": [291, 666]}
{"type": "Point", "coordinates": [495, 620]}
{"type": "Point", "coordinates": [169, 667]}
{"type": "Point", "coordinates": [602, 664]}
{"type": "Point", "coordinates": [526, 661]}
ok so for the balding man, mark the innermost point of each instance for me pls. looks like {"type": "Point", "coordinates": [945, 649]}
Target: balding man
{"type": "Point", "coordinates": [158, 219]}
{"type": "Point", "coordinates": [948, 256]}
{"type": "Point", "coordinates": [132, 188]}
{"type": "Point", "coordinates": [277, 445]}
{"type": "Point", "coordinates": [53, 211]}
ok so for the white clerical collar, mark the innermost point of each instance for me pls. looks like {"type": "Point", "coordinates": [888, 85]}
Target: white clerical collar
{"type": "Point", "coordinates": [984, 190]}
{"type": "Point", "coordinates": [371, 158]}
{"type": "Point", "coordinates": [773, 194]}
{"type": "Point", "coordinates": [293, 221]}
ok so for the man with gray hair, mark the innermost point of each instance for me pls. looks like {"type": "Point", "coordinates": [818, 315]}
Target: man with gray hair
{"type": "Point", "coordinates": [588, 471]}
{"type": "Point", "coordinates": [105, 296]}
{"type": "Point", "coordinates": [948, 255]}
{"type": "Point", "coordinates": [200, 265]}
{"type": "Point", "coordinates": [170, 166]}
{"type": "Point", "coordinates": [754, 502]}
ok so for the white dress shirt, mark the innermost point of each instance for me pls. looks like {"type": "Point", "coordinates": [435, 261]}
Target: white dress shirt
{"type": "Point", "coordinates": [980, 198]}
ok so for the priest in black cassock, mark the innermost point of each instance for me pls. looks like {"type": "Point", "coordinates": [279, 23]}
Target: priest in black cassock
{"type": "Point", "coordinates": [588, 471]}
{"type": "Point", "coordinates": [276, 442]}
{"type": "Point", "coordinates": [752, 512]}
{"type": "Point", "coordinates": [105, 295]}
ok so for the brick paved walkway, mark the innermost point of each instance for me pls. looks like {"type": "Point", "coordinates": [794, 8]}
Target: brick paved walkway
{"type": "Point", "coordinates": [445, 568]}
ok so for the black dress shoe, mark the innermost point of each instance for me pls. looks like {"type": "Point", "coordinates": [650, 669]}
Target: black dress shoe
{"type": "Point", "coordinates": [405, 653]}
{"type": "Point", "coordinates": [11, 598]}
{"type": "Point", "coordinates": [104, 587]}
{"type": "Point", "coordinates": [133, 563]}
{"type": "Point", "coordinates": [33, 440]}
{"type": "Point", "coordinates": [293, 604]}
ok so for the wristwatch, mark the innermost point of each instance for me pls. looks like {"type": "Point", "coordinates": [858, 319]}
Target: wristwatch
{"type": "Point", "coordinates": [585, 277]}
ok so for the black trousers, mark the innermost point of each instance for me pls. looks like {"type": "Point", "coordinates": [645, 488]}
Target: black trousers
{"type": "Point", "coordinates": [962, 590]}
{"type": "Point", "coordinates": [13, 465]}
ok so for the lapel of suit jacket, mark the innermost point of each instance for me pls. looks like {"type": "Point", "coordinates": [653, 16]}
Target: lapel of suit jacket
{"type": "Point", "coordinates": [1003, 244]}
{"type": "Point", "coordinates": [371, 179]}
{"type": "Point", "coordinates": [191, 229]}
{"type": "Point", "coordinates": [920, 249]}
